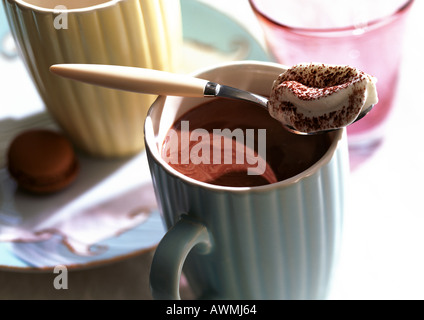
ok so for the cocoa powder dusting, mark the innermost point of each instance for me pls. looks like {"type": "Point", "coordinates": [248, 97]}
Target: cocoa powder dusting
{"type": "Point", "coordinates": [322, 81]}
{"type": "Point", "coordinates": [315, 82]}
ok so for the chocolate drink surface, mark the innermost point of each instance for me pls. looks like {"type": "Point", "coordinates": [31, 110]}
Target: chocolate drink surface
{"type": "Point", "coordinates": [238, 144]}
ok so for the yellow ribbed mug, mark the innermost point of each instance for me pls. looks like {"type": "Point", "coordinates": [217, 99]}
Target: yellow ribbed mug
{"type": "Point", "coordinates": [140, 33]}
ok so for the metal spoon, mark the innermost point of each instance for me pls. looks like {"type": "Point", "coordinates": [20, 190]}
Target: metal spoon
{"type": "Point", "coordinates": [162, 83]}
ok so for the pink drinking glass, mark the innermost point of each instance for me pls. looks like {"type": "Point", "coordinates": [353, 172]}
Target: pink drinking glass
{"type": "Point", "coordinates": [374, 46]}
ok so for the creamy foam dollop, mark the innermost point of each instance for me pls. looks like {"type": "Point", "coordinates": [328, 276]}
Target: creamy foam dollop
{"type": "Point", "coordinates": [315, 96]}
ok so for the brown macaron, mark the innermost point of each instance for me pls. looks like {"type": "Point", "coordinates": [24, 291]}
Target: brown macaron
{"type": "Point", "coordinates": [42, 161]}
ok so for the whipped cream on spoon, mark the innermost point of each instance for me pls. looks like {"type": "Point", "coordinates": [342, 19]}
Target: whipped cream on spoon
{"type": "Point", "coordinates": [321, 102]}
{"type": "Point", "coordinates": [318, 97]}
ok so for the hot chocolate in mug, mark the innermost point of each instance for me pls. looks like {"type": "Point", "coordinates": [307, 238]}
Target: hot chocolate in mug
{"type": "Point", "coordinates": [275, 240]}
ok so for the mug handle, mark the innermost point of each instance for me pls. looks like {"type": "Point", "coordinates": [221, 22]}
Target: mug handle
{"type": "Point", "coordinates": [171, 253]}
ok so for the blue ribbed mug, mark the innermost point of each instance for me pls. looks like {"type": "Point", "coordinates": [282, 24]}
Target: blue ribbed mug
{"type": "Point", "coordinates": [278, 241]}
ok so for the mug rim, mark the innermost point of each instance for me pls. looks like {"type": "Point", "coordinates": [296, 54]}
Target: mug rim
{"type": "Point", "coordinates": [152, 149]}
{"type": "Point", "coordinates": [326, 31]}
{"type": "Point", "coordinates": [26, 5]}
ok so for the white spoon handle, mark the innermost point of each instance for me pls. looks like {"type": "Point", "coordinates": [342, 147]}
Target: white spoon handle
{"type": "Point", "coordinates": [133, 79]}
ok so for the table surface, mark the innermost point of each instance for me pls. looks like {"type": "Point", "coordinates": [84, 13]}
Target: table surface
{"type": "Point", "coordinates": [382, 256]}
